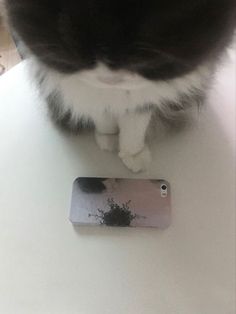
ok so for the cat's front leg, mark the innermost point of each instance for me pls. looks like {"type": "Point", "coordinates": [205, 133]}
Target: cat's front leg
{"type": "Point", "coordinates": [133, 151]}
{"type": "Point", "coordinates": [106, 132]}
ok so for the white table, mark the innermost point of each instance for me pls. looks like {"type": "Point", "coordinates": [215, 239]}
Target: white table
{"type": "Point", "coordinates": [47, 266]}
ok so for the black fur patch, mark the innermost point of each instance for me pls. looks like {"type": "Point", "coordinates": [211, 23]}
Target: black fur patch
{"type": "Point", "coordinates": [176, 116]}
{"type": "Point", "coordinates": [159, 39]}
{"type": "Point", "coordinates": [63, 119]}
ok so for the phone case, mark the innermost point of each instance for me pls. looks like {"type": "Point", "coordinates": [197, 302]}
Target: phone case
{"type": "Point", "coordinates": [121, 202]}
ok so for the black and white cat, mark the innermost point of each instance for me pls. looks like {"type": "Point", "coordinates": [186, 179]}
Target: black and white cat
{"type": "Point", "coordinates": [114, 62]}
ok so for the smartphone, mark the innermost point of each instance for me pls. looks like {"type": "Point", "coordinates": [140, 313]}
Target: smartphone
{"type": "Point", "coordinates": [121, 202]}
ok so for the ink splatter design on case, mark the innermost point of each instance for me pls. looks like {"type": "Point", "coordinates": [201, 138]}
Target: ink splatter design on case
{"type": "Point", "coordinates": [117, 215]}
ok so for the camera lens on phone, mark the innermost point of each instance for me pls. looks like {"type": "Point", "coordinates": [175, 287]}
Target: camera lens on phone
{"type": "Point", "coordinates": [164, 187]}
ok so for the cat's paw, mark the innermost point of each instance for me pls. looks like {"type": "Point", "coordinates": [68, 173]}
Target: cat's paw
{"type": "Point", "coordinates": [108, 142]}
{"type": "Point", "coordinates": [137, 162]}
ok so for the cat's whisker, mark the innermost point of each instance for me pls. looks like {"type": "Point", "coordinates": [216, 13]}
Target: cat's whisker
{"type": "Point", "coordinates": [163, 54]}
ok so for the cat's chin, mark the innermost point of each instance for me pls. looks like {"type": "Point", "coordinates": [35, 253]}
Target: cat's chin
{"type": "Point", "coordinates": [126, 85]}
{"type": "Point", "coordinates": [102, 77]}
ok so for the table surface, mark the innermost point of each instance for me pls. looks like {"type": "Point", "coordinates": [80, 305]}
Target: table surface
{"type": "Point", "coordinates": [49, 266]}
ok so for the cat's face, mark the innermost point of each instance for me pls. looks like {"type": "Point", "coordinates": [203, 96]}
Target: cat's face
{"type": "Point", "coordinates": [126, 40]}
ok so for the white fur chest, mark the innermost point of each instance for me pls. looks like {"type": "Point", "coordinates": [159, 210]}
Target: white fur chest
{"type": "Point", "coordinates": [86, 94]}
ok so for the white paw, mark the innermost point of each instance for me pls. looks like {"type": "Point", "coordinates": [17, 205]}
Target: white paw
{"type": "Point", "coordinates": [137, 162]}
{"type": "Point", "coordinates": [108, 142]}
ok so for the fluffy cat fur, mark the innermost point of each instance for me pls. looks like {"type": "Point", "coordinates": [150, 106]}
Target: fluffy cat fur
{"type": "Point", "coordinates": [113, 63]}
